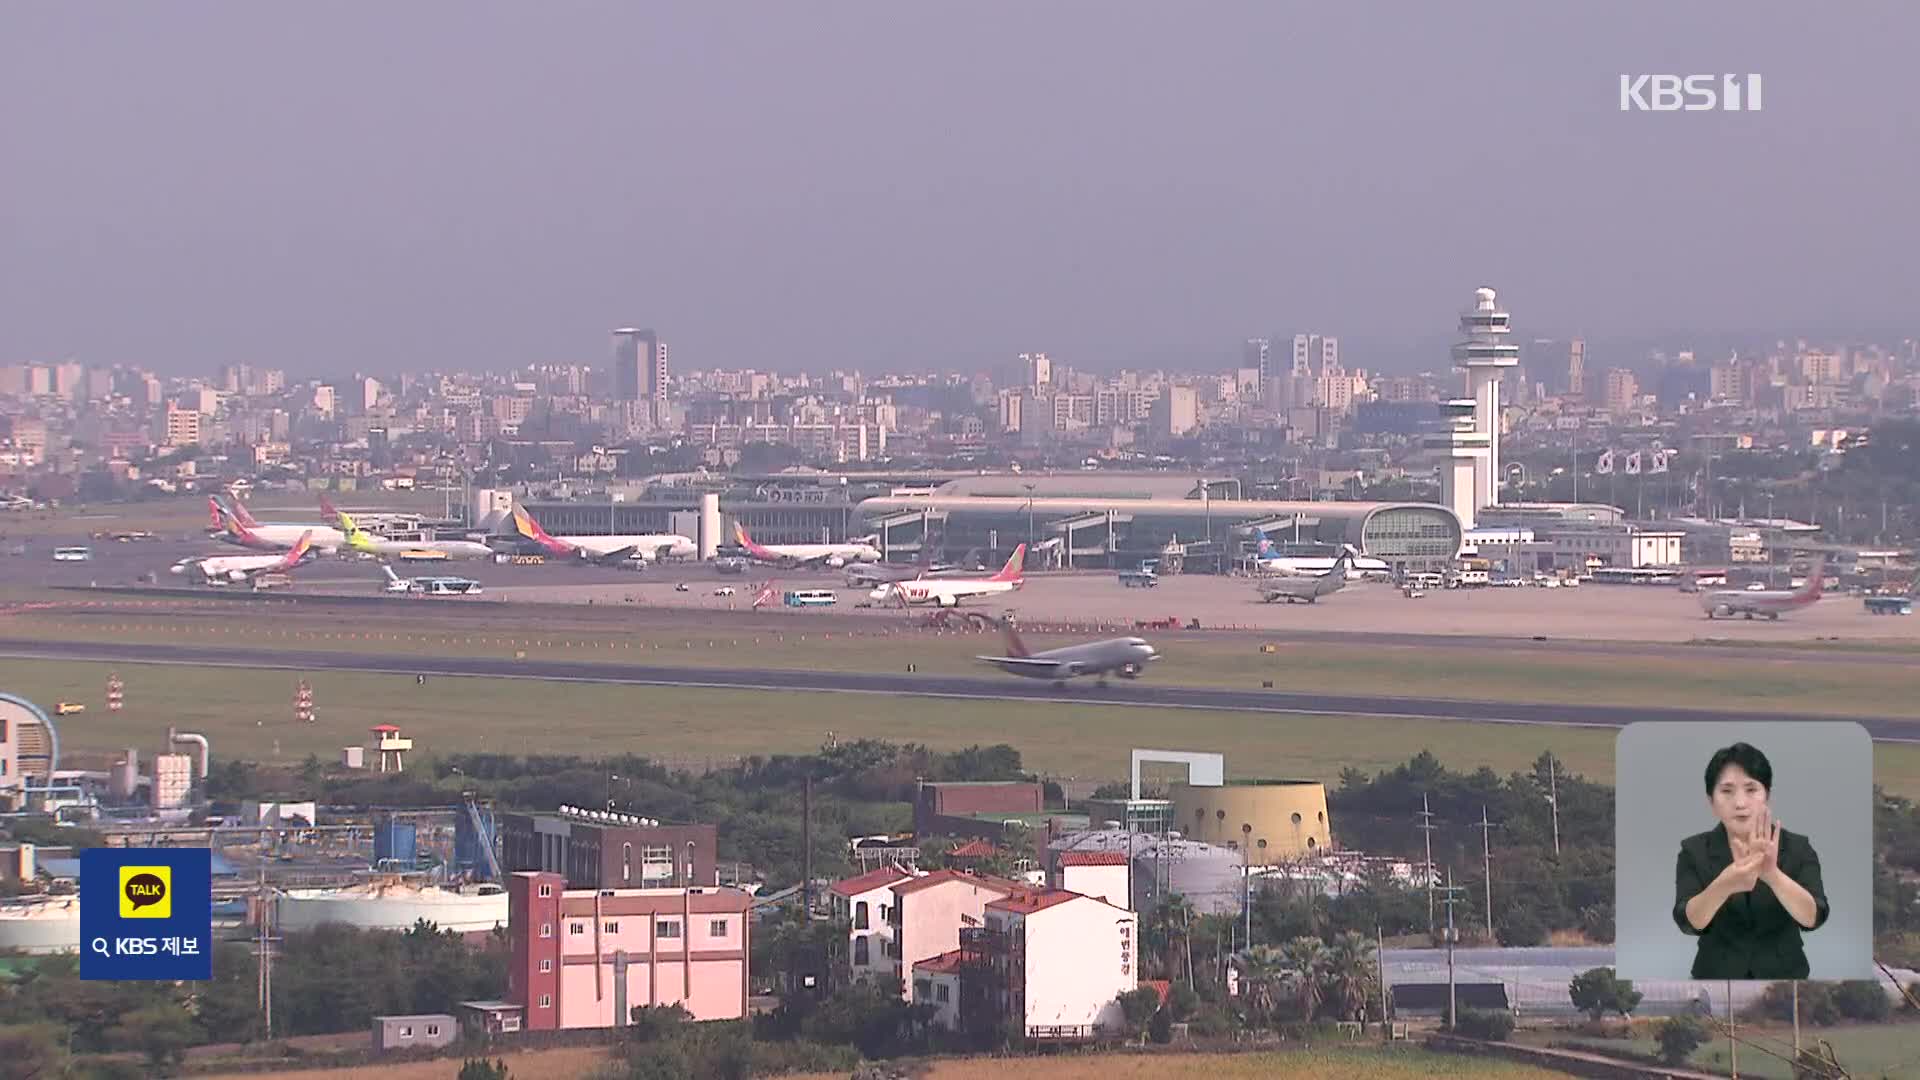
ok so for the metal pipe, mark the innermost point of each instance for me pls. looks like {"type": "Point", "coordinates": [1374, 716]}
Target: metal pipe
{"type": "Point", "coordinates": [175, 738]}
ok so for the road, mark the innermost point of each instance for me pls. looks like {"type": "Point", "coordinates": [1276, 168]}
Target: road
{"type": "Point", "coordinates": [1120, 692]}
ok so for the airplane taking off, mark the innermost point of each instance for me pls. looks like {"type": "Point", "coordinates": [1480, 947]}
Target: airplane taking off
{"type": "Point", "coordinates": [1270, 561]}
{"type": "Point", "coordinates": [359, 540]}
{"type": "Point", "coordinates": [1768, 602]}
{"type": "Point", "coordinates": [240, 569]}
{"type": "Point", "coordinates": [1126, 657]}
{"type": "Point", "coordinates": [239, 527]}
{"type": "Point", "coordinates": [1301, 588]}
{"type": "Point", "coordinates": [605, 550]}
{"type": "Point", "coordinates": [948, 592]}
{"type": "Point", "coordinates": [798, 555]}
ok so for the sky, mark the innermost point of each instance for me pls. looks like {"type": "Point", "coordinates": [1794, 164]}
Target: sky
{"type": "Point", "coordinates": [330, 188]}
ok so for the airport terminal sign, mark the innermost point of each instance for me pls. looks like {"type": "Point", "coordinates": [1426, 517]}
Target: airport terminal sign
{"type": "Point", "coordinates": [146, 913]}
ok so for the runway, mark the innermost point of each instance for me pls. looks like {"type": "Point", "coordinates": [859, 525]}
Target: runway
{"type": "Point", "coordinates": [1126, 693]}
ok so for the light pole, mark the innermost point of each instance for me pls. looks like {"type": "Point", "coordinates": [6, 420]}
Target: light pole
{"type": "Point", "coordinates": [1029, 488]}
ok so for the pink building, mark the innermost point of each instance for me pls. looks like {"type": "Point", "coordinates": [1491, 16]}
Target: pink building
{"type": "Point", "coordinates": [929, 912]}
{"type": "Point", "coordinates": [586, 958]}
{"type": "Point", "coordinates": [865, 903]}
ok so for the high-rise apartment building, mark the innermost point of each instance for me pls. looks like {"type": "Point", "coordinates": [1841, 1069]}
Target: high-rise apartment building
{"type": "Point", "coordinates": [640, 370]}
{"type": "Point", "coordinates": [1623, 390]}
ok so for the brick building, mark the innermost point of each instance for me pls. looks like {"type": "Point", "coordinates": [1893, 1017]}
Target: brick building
{"type": "Point", "coordinates": [608, 851]}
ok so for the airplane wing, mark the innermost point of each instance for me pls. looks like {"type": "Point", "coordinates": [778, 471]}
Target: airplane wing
{"type": "Point", "coordinates": [617, 556]}
{"type": "Point", "coordinates": [1025, 665]}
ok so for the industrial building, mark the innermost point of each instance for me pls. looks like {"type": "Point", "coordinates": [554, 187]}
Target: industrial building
{"type": "Point", "coordinates": [603, 850]}
{"type": "Point", "coordinates": [1272, 820]}
{"type": "Point", "coordinates": [586, 958]}
{"type": "Point", "coordinates": [29, 751]}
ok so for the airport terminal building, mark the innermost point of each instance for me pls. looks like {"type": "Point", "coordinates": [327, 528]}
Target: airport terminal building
{"type": "Point", "coordinates": [1069, 520]}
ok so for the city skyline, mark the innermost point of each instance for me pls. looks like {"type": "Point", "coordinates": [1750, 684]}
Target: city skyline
{"type": "Point", "coordinates": [809, 190]}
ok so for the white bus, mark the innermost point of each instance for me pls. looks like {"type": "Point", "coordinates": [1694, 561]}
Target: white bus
{"type": "Point", "coordinates": [72, 554]}
{"type": "Point", "coordinates": [810, 598]}
{"type": "Point", "coordinates": [1634, 575]}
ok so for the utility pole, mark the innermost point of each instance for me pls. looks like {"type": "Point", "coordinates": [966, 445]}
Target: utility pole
{"type": "Point", "coordinates": [1453, 936]}
{"type": "Point", "coordinates": [1380, 963]}
{"type": "Point", "coordinates": [806, 849]}
{"type": "Point", "coordinates": [1553, 800]}
{"type": "Point", "coordinates": [1733, 1040]}
{"type": "Point", "coordinates": [1486, 863]}
{"type": "Point", "coordinates": [1426, 826]}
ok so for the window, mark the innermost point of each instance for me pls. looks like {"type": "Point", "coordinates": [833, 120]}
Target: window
{"type": "Point", "coordinates": [576, 928]}
{"type": "Point", "coordinates": [546, 929]}
{"type": "Point", "coordinates": [626, 862]}
{"type": "Point", "coordinates": [862, 956]}
{"type": "Point", "coordinates": [922, 990]}
{"type": "Point", "coordinates": [546, 966]}
{"type": "Point", "coordinates": [433, 1029]}
{"type": "Point", "coordinates": [1296, 817]}
{"type": "Point", "coordinates": [406, 1031]}
{"type": "Point", "coordinates": [667, 928]}
{"type": "Point", "coordinates": [860, 916]}
{"type": "Point", "coordinates": [884, 913]}
{"type": "Point", "coordinates": [611, 928]}
{"type": "Point", "coordinates": [942, 993]}
{"type": "Point", "coordinates": [717, 928]}
{"type": "Point", "coordinates": [546, 891]}
{"type": "Point", "coordinates": [546, 1001]}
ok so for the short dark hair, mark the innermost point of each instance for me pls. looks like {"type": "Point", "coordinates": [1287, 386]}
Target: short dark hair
{"type": "Point", "coordinates": [1748, 757]}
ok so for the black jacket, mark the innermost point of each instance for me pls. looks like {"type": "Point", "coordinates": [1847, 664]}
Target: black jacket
{"type": "Point", "coordinates": [1751, 936]}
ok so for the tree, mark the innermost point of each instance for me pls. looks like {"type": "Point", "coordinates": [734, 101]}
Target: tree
{"type": "Point", "coordinates": [1303, 964]}
{"type": "Point", "coordinates": [1260, 969]}
{"type": "Point", "coordinates": [1862, 999]}
{"type": "Point", "coordinates": [1138, 1007]}
{"type": "Point", "coordinates": [1493, 1025]}
{"type": "Point", "coordinates": [1160, 1028]}
{"type": "Point", "coordinates": [162, 1032]}
{"type": "Point", "coordinates": [482, 1069]}
{"type": "Point", "coordinates": [32, 1051]}
{"type": "Point", "coordinates": [1598, 992]}
{"type": "Point", "coordinates": [1183, 1001]}
{"type": "Point", "coordinates": [1352, 978]}
{"type": "Point", "coordinates": [1679, 1037]}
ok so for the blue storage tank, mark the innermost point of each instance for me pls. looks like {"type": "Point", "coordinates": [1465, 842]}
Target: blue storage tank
{"type": "Point", "coordinates": [475, 832]}
{"type": "Point", "coordinates": [394, 845]}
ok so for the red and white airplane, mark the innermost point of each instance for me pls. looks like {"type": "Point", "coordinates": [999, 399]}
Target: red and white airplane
{"type": "Point", "coordinates": [796, 555]}
{"type": "Point", "coordinates": [613, 550]}
{"type": "Point", "coordinates": [237, 526]}
{"type": "Point", "coordinates": [1766, 602]}
{"type": "Point", "coordinates": [241, 569]}
{"type": "Point", "coordinates": [948, 592]}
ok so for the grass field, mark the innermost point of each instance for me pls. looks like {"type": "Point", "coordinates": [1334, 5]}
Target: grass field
{"type": "Point", "coordinates": [249, 714]}
{"type": "Point", "coordinates": [1688, 678]}
{"type": "Point", "coordinates": [1891, 1049]}
{"type": "Point", "coordinates": [1355, 1063]}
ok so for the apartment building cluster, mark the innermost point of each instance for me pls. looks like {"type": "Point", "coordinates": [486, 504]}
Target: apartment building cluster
{"type": "Point", "coordinates": [985, 953]}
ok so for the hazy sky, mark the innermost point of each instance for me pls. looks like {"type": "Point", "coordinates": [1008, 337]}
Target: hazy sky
{"type": "Point", "coordinates": [328, 187]}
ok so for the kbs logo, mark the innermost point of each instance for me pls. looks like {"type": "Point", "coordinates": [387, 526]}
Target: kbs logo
{"type": "Point", "coordinates": [1689, 93]}
{"type": "Point", "coordinates": [146, 892]}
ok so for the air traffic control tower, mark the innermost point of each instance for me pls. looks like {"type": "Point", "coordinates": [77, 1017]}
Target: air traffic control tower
{"type": "Point", "coordinates": [1470, 479]}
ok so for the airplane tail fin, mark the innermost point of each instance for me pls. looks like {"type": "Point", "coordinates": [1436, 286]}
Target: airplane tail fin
{"type": "Point", "coordinates": [327, 508]}
{"type": "Point", "coordinates": [1015, 647]}
{"type": "Point", "coordinates": [1012, 571]}
{"type": "Point", "coordinates": [215, 514]}
{"type": "Point", "coordinates": [746, 541]}
{"type": "Point", "coordinates": [298, 552]}
{"type": "Point", "coordinates": [1816, 582]}
{"type": "Point", "coordinates": [239, 511]}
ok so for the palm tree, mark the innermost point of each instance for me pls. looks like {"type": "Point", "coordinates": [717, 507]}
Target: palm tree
{"type": "Point", "coordinates": [1261, 969]}
{"type": "Point", "coordinates": [1179, 915]}
{"type": "Point", "coordinates": [1351, 980]}
{"type": "Point", "coordinates": [1303, 964]}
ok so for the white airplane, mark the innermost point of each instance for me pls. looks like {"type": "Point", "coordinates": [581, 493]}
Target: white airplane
{"type": "Point", "coordinates": [1306, 588]}
{"type": "Point", "coordinates": [1358, 565]}
{"type": "Point", "coordinates": [615, 550]}
{"type": "Point", "coordinates": [1768, 602]}
{"type": "Point", "coordinates": [240, 569]}
{"type": "Point", "coordinates": [948, 592]}
{"type": "Point", "coordinates": [859, 550]}
{"type": "Point", "coordinates": [1126, 657]}
{"type": "Point", "coordinates": [359, 540]}
{"type": "Point", "coordinates": [237, 526]}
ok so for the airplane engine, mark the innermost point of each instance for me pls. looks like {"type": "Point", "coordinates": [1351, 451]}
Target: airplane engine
{"type": "Point", "coordinates": [1072, 669]}
{"type": "Point", "coordinates": [947, 601]}
{"type": "Point", "coordinates": [836, 561]}
{"type": "Point", "coordinates": [1130, 671]}
{"type": "Point", "coordinates": [237, 576]}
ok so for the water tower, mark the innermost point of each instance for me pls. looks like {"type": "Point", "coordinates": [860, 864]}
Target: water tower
{"type": "Point", "coordinates": [391, 746]}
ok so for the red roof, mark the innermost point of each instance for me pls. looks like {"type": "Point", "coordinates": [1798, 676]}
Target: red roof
{"type": "Point", "coordinates": [942, 877]}
{"type": "Point", "coordinates": [1160, 986]}
{"type": "Point", "coordinates": [1093, 858]}
{"type": "Point", "coordinates": [1027, 903]}
{"type": "Point", "coordinates": [383, 727]}
{"type": "Point", "coordinates": [869, 881]}
{"type": "Point", "coordinates": [945, 962]}
{"type": "Point", "coordinates": [974, 849]}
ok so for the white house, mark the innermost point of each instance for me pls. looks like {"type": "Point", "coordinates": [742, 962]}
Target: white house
{"type": "Point", "coordinates": [865, 903]}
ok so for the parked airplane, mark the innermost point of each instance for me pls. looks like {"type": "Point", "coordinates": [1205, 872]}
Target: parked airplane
{"type": "Point", "coordinates": [948, 592]}
{"type": "Point", "coordinates": [1126, 657]}
{"type": "Point", "coordinates": [239, 528]}
{"type": "Point", "coordinates": [240, 569]}
{"type": "Point", "coordinates": [864, 574]}
{"type": "Point", "coordinates": [359, 540]}
{"type": "Point", "coordinates": [1768, 602]}
{"type": "Point", "coordinates": [607, 550]}
{"type": "Point", "coordinates": [1302, 588]}
{"type": "Point", "coordinates": [797, 555]}
{"type": "Point", "coordinates": [1272, 562]}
